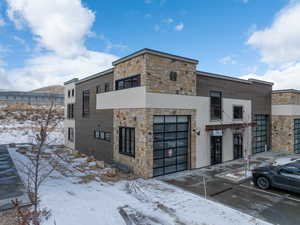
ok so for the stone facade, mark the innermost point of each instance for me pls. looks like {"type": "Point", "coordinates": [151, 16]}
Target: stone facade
{"type": "Point", "coordinates": [285, 98]}
{"type": "Point", "coordinates": [283, 134]}
{"type": "Point", "coordinates": [142, 121]}
{"type": "Point", "coordinates": [155, 74]}
{"type": "Point", "coordinates": [158, 76]}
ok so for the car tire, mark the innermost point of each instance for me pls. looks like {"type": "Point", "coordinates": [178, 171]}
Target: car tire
{"type": "Point", "coordinates": [263, 183]}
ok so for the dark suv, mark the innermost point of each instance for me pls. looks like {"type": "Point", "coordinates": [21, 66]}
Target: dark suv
{"type": "Point", "coordinates": [285, 177]}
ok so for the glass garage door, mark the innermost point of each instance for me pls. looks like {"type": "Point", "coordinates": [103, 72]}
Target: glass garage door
{"type": "Point", "coordinates": [170, 144]}
{"type": "Point", "coordinates": [297, 136]}
{"type": "Point", "coordinates": [260, 133]}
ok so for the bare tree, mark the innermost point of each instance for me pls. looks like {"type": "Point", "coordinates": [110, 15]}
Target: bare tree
{"type": "Point", "coordinates": [40, 165]}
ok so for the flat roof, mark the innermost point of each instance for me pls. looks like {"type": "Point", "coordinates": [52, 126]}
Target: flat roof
{"type": "Point", "coordinates": [287, 91]}
{"type": "Point", "coordinates": [105, 72]}
{"type": "Point", "coordinates": [154, 52]}
{"type": "Point", "coordinates": [220, 76]}
{"type": "Point", "coordinates": [71, 81]}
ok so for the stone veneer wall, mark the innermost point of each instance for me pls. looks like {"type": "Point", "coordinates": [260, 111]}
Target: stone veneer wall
{"type": "Point", "coordinates": [158, 76]}
{"type": "Point", "coordinates": [134, 66]}
{"type": "Point", "coordinates": [142, 121]}
{"type": "Point", "coordinates": [285, 98]}
{"type": "Point", "coordinates": [283, 134]}
{"type": "Point", "coordinates": [155, 74]}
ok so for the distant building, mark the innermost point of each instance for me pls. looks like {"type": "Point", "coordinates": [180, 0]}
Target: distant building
{"type": "Point", "coordinates": [20, 97]}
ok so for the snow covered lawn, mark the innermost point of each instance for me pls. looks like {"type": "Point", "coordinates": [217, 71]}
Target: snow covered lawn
{"type": "Point", "coordinates": [126, 202]}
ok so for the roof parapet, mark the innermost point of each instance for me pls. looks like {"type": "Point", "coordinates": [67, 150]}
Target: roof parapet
{"type": "Point", "coordinates": [105, 72]}
{"type": "Point", "coordinates": [154, 52]}
{"type": "Point", "coordinates": [74, 80]}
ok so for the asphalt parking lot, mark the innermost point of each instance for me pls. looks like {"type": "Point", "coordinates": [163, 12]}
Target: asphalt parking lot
{"type": "Point", "coordinates": [11, 187]}
{"type": "Point", "coordinates": [274, 205]}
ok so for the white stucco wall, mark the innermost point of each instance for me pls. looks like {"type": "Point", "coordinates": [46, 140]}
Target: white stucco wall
{"type": "Point", "coordinates": [67, 122]}
{"type": "Point", "coordinates": [139, 98]}
{"type": "Point", "coordinates": [285, 110]}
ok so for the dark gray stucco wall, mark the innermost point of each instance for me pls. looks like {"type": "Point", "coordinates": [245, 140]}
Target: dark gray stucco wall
{"type": "Point", "coordinates": [259, 93]}
{"type": "Point", "coordinates": [85, 126]}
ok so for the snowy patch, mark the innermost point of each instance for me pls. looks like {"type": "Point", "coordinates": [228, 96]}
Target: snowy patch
{"type": "Point", "coordinates": [126, 202]}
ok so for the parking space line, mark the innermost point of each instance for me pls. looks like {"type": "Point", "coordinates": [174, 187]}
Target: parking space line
{"type": "Point", "coordinates": [271, 193]}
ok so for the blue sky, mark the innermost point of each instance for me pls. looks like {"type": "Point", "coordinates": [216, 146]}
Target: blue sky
{"type": "Point", "coordinates": [50, 42]}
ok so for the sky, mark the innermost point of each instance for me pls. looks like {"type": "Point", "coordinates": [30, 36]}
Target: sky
{"type": "Point", "coordinates": [47, 42]}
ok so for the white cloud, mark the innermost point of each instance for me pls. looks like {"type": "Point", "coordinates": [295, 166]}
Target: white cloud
{"type": "Point", "coordinates": [53, 69]}
{"type": "Point", "coordinates": [179, 27]}
{"type": "Point", "coordinates": [22, 42]}
{"type": "Point", "coordinates": [280, 42]}
{"type": "Point", "coordinates": [283, 78]}
{"type": "Point", "coordinates": [279, 46]}
{"type": "Point", "coordinates": [228, 60]}
{"type": "Point", "coordinates": [109, 45]}
{"type": "Point", "coordinates": [59, 28]}
{"type": "Point", "coordinates": [168, 20]}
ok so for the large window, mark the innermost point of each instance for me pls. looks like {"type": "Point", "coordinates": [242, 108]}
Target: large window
{"type": "Point", "coordinates": [129, 82]}
{"type": "Point", "coordinates": [170, 144]}
{"type": "Point", "coordinates": [85, 103]}
{"type": "Point", "coordinates": [70, 111]}
{"type": "Point", "coordinates": [297, 136]}
{"type": "Point", "coordinates": [71, 134]}
{"type": "Point", "coordinates": [260, 133]}
{"type": "Point", "coordinates": [215, 105]}
{"type": "Point", "coordinates": [127, 141]}
{"type": "Point", "coordinates": [238, 112]}
{"type": "Point", "coordinates": [106, 87]}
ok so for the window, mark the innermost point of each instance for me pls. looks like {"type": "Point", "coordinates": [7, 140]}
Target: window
{"type": "Point", "coordinates": [69, 93]}
{"type": "Point", "coordinates": [98, 89]}
{"type": "Point", "coordinates": [70, 111]}
{"type": "Point", "coordinates": [215, 105]}
{"type": "Point", "coordinates": [85, 103]}
{"type": "Point", "coordinates": [260, 133]}
{"type": "Point", "coordinates": [297, 136]}
{"type": "Point", "coordinates": [129, 82]}
{"type": "Point", "coordinates": [71, 134]}
{"type": "Point", "coordinates": [101, 135]}
{"type": "Point", "coordinates": [106, 87]}
{"type": "Point", "coordinates": [173, 76]}
{"type": "Point", "coordinates": [127, 141]}
{"type": "Point", "coordinates": [73, 92]}
{"type": "Point", "coordinates": [238, 112]}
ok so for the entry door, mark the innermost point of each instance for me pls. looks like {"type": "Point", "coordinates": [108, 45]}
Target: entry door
{"type": "Point", "coordinates": [216, 149]}
{"type": "Point", "coordinates": [237, 146]}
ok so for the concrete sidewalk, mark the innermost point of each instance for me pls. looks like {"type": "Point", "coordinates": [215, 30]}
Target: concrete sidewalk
{"type": "Point", "coordinates": [11, 187]}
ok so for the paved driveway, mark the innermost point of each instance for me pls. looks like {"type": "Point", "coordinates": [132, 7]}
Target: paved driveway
{"type": "Point", "coordinates": [11, 187]}
{"type": "Point", "coordinates": [274, 206]}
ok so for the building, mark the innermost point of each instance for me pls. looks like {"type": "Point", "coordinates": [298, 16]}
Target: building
{"type": "Point", "coordinates": [155, 113]}
{"type": "Point", "coordinates": [20, 97]}
{"type": "Point", "coordinates": [69, 122]}
{"type": "Point", "coordinates": [286, 121]}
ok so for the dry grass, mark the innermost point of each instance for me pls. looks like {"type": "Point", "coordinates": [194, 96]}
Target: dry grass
{"type": "Point", "coordinates": [8, 217]}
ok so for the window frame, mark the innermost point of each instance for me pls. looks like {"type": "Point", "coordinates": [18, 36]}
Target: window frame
{"type": "Point", "coordinates": [173, 76]}
{"type": "Point", "coordinates": [212, 118]}
{"type": "Point", "coordinates": [85, 105]}
{"type": "Point", "coordinates": [71, 137]}
{"type": "Point", "coordinates": [128, 131]}
{"type": "Point", "coordinates": [131, 81]}
{"type": "Point", "coordinates": [233, 112]}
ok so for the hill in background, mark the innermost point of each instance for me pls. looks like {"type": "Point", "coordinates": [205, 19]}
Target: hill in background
{"type": "Point", "coordinates": [53, 89]}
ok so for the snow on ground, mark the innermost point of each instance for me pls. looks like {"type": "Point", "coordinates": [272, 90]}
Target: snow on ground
{"type": "Point", "coordinates": [23, 131]}
{"type": "Point", "coordinates": [141, 201]}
